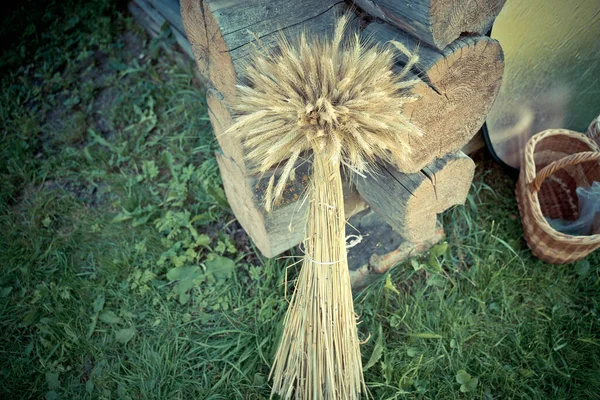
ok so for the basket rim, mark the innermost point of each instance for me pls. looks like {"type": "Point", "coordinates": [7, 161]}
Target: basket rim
{"type": "Point", "coordinates": [530, 172]}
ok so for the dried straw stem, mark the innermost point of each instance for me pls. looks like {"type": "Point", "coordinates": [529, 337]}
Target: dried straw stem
{"type": "Point", "coordinates": [319, 354]}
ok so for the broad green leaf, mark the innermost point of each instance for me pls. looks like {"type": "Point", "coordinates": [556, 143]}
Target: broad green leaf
{"type": "Point", "coordinates": [109, 317]}
{"type": "Point", "coordinates": [582, 267]}
{"type": "Point", "coordinates": [416, 265]}
{"type": "Point", "coordinates": [220, 267]}
{"type": "Point", "coordinates": [462, 376]}
{"type": "Point", "coordinates": [377, 350]}
{"type": "Point", "coordinates": [220, 247]}
{"type": "Point", "coordinates": [469, 386]}
{"type": "Point", "coordinates": [184, 297]}
{"type": "Point", "coordinates": [89, 386]}
{"type": "Point", "coordinates": [390, 286]}
{"type": "Point", "coordinates": [467, 382]}
{"type": "Point", "coordinates": [185, 276]}
{"type": "Point", "coordinates": [120, 218]}
{"type": "Point", "coordinates": [51, 395]}
{"type": "Point", "coordinates": [182, 273]}
{"type": "Point", "coordinates": [168, 158]}
{"type": "Point", "coordinates": [52, 380]}
{"type": "Point", "coordinates": [219, 195]}
{"type": "Point", "coordinates": [98, 304]}
{"type": "Point", "coordinates": [412, 352]}
{"type": "Point", "coordinates": [202, 240]}
{"type": "Point", "coordinates": [439, 249]}
{"type": "Point", "coordinates": [125, 335]}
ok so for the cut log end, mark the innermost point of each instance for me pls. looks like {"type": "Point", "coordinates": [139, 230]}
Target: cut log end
{"type": "Point", "coordinates": [435, 22]}
{"type": "Point", "coordinates": [452, 18]}
{"type": "Point", "coordinates": [460, 90]}
{"type": "Point", "coordinates": [193, 20]}
{"type": "Point", "coordinates": [410, 202]}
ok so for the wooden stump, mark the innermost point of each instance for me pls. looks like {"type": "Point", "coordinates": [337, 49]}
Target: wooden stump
{"type": "Point", "coordinates": [435, 22]}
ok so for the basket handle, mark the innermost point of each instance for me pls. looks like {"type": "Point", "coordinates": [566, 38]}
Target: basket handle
{"type": "Point", "coordinates": [573, 159]}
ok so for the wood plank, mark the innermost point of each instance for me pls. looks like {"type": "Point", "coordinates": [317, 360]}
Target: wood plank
{"type": "Point", "coordinates": [378, 247]}
{"type": "Point", "coordinates": [153, 19]}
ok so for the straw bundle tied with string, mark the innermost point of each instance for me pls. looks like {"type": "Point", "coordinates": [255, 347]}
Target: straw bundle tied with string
{"type": "Point", "coordinates": [337, 102]}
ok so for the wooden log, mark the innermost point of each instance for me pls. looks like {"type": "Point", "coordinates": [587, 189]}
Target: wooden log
{"type": "Point", "coordinates": [457, 89]}
{"type": "Point", "coordinates": [411, 202]}
{"type": "Point", "coordinates": [283, 227]}
{"type": "Point", "coordinates": [221, 119]}
{"type": "Point", "coordinates": [435, 22]}
{"type": "Point", "coordinates": [222, 32]}
{"type": "Point", "coordinates": [415, 200]}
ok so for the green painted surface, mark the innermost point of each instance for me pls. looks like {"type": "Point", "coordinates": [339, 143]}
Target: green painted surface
{"type": "Point", "coordinates": [552, 75]}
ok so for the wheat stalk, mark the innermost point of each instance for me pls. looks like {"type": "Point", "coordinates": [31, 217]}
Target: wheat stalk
{"type": "Point", "coordinates": [339, 99]}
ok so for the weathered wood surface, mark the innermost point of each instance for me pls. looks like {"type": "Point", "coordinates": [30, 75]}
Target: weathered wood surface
{"type": "Point", "coordinates": [458, 88]}
{"type": "Point", "coordinates": [435, 22]}
{"type": "Point", "coordinates": [154, 14]}
{"type": "Point", "coordinates": [283, 227]}
{"type": "Point", "coordinates": [414, 202]}
{"type": "Point", "coordinates": [410, 202]}
{"type": "Point", "coordinates": [222, 32]}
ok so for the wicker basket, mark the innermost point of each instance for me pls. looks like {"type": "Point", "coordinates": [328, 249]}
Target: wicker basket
{"type": "Point", "coordinates": [593, 132]}
{"type": "Point", "coordinates": [555, 163]}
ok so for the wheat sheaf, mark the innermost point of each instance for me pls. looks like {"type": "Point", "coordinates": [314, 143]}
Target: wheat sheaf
{"type": "Point", "coordinates": [337, 102]}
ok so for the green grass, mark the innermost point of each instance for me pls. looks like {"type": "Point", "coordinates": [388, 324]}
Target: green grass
{"type": "Point", "coordinates": [124, 275]}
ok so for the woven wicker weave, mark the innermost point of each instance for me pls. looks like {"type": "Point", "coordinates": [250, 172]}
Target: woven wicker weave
{"type": "Point", "coordinates": [593, 132]}
{"type": "Point", "coordinates": [555, 163]}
